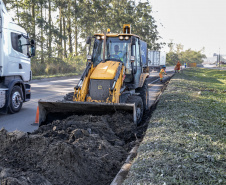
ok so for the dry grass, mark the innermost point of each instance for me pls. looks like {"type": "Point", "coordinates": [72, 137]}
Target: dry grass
{"type": "Point", "coordinates": [185, 142]}
{"type": "Point", "coordinates": [58, 67]}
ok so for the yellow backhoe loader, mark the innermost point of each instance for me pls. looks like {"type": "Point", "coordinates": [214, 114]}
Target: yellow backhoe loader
{"type": "Point", "coordinates": [114, 80]}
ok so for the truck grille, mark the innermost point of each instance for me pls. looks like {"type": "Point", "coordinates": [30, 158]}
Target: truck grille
{"type": "Point", "coordinates": [99, 89]}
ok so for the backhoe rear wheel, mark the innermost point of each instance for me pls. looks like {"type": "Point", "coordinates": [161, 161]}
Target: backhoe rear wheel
{"type": "Point", "coordinates": [139, 107]}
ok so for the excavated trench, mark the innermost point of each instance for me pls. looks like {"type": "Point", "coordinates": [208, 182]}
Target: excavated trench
{"type": "Point", "coordinates": [78, 150]}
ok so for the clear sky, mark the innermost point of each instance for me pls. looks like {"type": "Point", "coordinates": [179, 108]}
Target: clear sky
{"type": "Point", "coordinates": [193, 23]}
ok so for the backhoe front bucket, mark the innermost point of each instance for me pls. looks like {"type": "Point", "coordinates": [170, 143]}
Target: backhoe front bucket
{"type": "Point", "coordinates": [50, 111]}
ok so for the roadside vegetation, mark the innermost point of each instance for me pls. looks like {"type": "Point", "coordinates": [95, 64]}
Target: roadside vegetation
{"type": "Point", "coordinates": [57, 67]}
{"type": "Point", "coordinates": [55, 75]}
{"type": "Point", "coordinates": [185, 141]}
{"type": "Point", "coordinates": [176, 53]}
{"type": "Point", "coordinates": [60, 28]}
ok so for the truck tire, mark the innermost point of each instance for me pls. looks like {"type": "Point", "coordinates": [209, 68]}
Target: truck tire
{"type": "Point", "coordinates": [144, 94]}
{"type": "Point", "coordinates": [69, 96]}
{"type": "Point", "coordinates": [16, 100]}
{"type": "Point", "coordinates": [139, 107]}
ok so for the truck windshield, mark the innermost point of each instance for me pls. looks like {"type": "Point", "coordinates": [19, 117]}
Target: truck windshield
{"type": "Point", "coordinates": [116, 50]}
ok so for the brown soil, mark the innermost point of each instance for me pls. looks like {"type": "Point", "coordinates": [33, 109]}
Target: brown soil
{"type": "Point", "coordinates": [78, 150]}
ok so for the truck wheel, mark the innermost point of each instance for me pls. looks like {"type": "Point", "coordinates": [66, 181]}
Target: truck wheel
{"type": "Point", "coordinates": [69, 96]}
{"type": "Point", "coordinates": [144, 94]}
{"type": "Point", "coordinates": [16, 100]}
{"type": "Point", "coordinates": [139, 107]}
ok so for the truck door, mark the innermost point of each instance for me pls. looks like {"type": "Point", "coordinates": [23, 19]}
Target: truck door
{"type": "Point", "coordinates": [19, 61]}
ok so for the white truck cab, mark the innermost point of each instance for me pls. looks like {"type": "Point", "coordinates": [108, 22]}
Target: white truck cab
{"type": "Point", "coordinates": [15, 63]}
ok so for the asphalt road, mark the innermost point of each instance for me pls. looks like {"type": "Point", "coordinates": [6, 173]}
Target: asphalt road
{"type": "Point", "coordinates": [47, 89]}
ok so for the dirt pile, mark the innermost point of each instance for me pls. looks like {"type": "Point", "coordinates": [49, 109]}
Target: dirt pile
{"type": "Point", "coordinates": [78, 150]}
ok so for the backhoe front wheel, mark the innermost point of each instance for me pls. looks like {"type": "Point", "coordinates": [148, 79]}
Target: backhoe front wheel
{"type": "Point", "coordinates": [16, 100]}
{"type": "Point", "coordinates": [139, 107]}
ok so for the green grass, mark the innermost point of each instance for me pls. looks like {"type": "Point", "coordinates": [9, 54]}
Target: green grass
{"type": "Point", "coordinates": [55, 75]}
{"type": "Point", "coordinates": [185, 142]}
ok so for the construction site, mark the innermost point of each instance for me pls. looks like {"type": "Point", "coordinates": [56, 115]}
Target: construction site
{"type": "Point", "coordinates": [102, 149]}
{"type": "Point", "coordinates": [83, 149]}
{"type": "Point", "coordinates": [130, 113]}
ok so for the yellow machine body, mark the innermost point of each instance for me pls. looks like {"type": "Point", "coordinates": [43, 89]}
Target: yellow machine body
{"type": "Point", "coordinates": [80, 94]}
{"type": "Point", "coordinates": [105, 71]}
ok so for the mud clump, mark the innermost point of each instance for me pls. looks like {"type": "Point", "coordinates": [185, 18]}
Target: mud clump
{"type": "Point", "coordinates": [78, 150]}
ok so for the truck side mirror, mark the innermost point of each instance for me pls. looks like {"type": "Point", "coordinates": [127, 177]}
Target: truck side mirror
{"type": "Point", "coordinates": [32, 51]}
{"type": "Point", "coordinates": [32, 48]}
{"type": "Point", "coordinates": [32, 42]}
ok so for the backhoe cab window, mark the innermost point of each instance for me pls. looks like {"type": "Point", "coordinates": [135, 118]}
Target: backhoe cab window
{"type": "Point", "coordinates": [97, 51]}
{"type": "Point", "coordinates": [116, 50]}
{"type": "Point", "coordinates": [20, 43]}
{"type": "Point", "coordinates": [137, 62]}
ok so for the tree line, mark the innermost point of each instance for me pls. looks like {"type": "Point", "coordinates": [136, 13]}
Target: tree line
{"type": "Point", "coordinates": [176, 53]}
{"type": "Point", "coordinates": [60, 27]}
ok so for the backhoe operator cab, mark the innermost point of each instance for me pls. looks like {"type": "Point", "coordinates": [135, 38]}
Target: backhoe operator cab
{"type": "Point", "coordinates": [124, 48]}
{"type": "Point", "coordinates": [15, 69]}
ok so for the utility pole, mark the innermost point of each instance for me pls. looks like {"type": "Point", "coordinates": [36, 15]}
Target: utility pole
{"type": "Point", "coordinates": [219, 58]}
